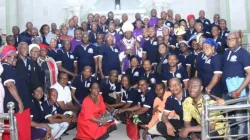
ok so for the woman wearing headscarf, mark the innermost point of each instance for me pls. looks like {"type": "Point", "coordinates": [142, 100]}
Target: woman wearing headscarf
{"type": "Point", "coordinates": [210, 70]}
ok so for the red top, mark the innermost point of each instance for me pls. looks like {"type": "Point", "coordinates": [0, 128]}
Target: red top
{"type": "Point", "coordinates": [87, 129]}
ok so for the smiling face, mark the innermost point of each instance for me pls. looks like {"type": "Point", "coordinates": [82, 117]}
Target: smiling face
{"type": "Point", "coordinates": [208, 50]}
{"type": "Point", "coordinates": [194, 88]}
{"type": "Point", "coordinates": [175, 86]}
{"type": "Point", "coordinates": [38, 93]}
{"type": "Point", "coordinates": [172, 60]}
{"type": "Point", "coordinates": [94, 89]}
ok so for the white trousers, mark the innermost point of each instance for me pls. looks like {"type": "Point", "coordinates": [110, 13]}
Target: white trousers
{"type": "Point", "coordinates": [57, 129]}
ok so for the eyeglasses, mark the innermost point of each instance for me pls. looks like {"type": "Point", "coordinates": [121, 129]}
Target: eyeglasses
{"type": "Point", "coordinates": [232, 39]}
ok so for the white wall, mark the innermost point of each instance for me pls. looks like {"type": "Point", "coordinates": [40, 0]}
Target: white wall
{"type": "Point", "coordinates": [2, 17]}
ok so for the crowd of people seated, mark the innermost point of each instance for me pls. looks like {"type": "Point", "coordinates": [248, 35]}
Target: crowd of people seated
{"type": "Point", "coordinates": [153, 72]}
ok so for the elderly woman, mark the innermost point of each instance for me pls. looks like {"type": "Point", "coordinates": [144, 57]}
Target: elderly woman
{"type": "Point", "coordinates": [128, 46]}
{"type": "Point", "coordinates": [90, 123]}
{"type": "Point", "coordinates": [210, 69]}
{"type": "Point", "coordinates": [15, 89]}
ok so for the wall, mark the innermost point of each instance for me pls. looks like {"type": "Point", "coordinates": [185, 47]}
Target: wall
{"type": "Point", "coordinates": [2, 17]}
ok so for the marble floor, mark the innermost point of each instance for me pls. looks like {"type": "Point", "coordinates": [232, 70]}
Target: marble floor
{"type": "Point", "coordinates": [119, 134]}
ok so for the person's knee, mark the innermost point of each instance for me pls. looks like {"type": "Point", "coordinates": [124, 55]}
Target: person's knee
{"type": "Point", "coordinates": [161, 128]}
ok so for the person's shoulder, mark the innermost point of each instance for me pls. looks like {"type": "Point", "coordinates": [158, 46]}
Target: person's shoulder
{"type": "Point", "coordinates": [188, 101]}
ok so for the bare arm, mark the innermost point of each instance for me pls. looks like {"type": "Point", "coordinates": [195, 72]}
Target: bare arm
{"type": "Point", "coordinates": [96, 65]}
{"type": "Point", "coordinates": [134, 108]}
{"type": "Point", "coordinates": [142, 110]}
{"type": "Point", "coordinates": [188, 67]}
{"type": "Point", "coordinates": [67, 107]}
{"type": "Point", "coordinates": [75, 67]}
{"type": "Point", "coordinates": [61, 68]}
{"type": "Point", "coordinates": [215, 79]}
{"type": "Point", "coordinates": [74, 97]}
{"type": "Point", "coordinates": [100, 66]}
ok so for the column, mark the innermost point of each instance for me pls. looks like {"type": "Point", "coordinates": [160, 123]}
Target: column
{"type": "Point", "coordinates": [24, 13]}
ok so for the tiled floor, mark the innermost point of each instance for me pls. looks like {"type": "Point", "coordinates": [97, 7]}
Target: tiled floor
{"type": "Point", "coordinates": [119, 134]}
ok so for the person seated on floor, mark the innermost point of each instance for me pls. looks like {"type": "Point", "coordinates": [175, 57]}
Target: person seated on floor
{"type": "Point", "coordinates": [192, 109]}
{"type": "Point", "coordinates": [111, 88]}
{"type": "Point", "coordinates": [91, 122]}
{"type": "Point", "coordinates": [172, 118]}
{"type": "Point", "coordinates": [159, 105]}
{"type": "Point", "coordinates": [54, 114]}
{"type": "Point", "coordinates": [129, 98]}
{"type": "Point", "coordinates": [39, 130]}
{"type": "Point", "coordinates": [142, 112]}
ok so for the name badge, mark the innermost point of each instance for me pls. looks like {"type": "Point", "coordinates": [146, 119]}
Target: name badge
{"type": "Point", "coordinates": [136, 73]}
{"type": "Point", "coordinates": [152, 80]}
{"type": "Point", "coordinates": [233, 58]}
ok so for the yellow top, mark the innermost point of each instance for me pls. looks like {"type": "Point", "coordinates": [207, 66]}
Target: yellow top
{"type": "Point", "coordinates": [190, 111]}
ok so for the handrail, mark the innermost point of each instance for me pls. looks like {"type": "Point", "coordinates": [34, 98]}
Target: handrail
{"type": "Point", "coordinates": [205, 118]}
{"type": "Point", "coordinates": [12, 127]}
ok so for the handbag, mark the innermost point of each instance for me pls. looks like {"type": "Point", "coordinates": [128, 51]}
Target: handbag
{"type": "Point", "coordinates": [233, 83]}
{"type": "Point", "coordinates": [132, 130]}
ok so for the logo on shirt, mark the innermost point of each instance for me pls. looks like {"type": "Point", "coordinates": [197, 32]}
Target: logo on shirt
{"type": "Point", "coordinates": [90, 50]}
{"type": "Point", "coordinates": [178, 75]}
{"type": "Point", "coordinates": [168, 24]}
{"type": "Point", "coordinates": [88, 85]}
{"type": "Point", "coordinates": [29, 68]}
{"type": "Point", "coordinates": [71, 57]}
{"type": "Point", "coordinates": [136, 73]}
{"type": "Point", "coordinates": [226, 34]}
{"type": "Point", "coordinates": [219, 43]}
{"type": "Point", "coordinates": [116, 50]}
{"type": "Point", "coordinates": [233, 58]}
{"type": "Point", "coordinates": [154, 43]}
{"type": "Point", "coordinates": [142, 98]}
{"type": "Point", "coordinates": [165, 61]}
{"type": "Point", "coordinates": [208, 61]}
{"type": "Point", "coordinates": [120, 32]}
{"type": "Point", "coordinates": [152, 80]}
{"type": "Point", "coordinates": [206, 22]}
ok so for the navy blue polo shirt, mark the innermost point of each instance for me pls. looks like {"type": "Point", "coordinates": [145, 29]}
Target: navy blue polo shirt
{"type": "Point", "coordinates": [67, 59]}
{"type": "Point", "coordinates": [10, 74]}
{"type": "Point", "coordinates": [151, 49]}
{"type": "Point", "coordinates": [169, 24]}
{"type": "Point", "coordinates": [224, 34]}
{"type": "Point", "coordinates": [147, 99]}
{"type": "Point", "coordinates": [107, 87]}
{"type": "Point", "coordinates": [82, 87]}
{"type": "Point", "coordinates": [236, 61]}
{"type": "Point", "coordinates": [152, 77]}
{"type": "Point", "coordinates": [221, 45]}
{"type": "Point", "coordinates": [130, 95]}
{"type": "Point", "coordinates": [110, 59]}
{"type": "Point", "coordinates": [36, 112]}
{"type": "Point", "coordinates": [180, 73]}
{"type": "Point", "coordinates": [85, 56]}
{"type": "Point", "coordinates": [211, 66]}
{"type": "Point", "coordinates": [173, 104]}
{"type": "Point", "coordinates": [189, 33]}
{"type": "Point", "coordinates": [191, 62]}
{"type": "Point", "coordinates": [53, 54]}
{"type": "Point", "coordinates": [206, 25]}
{"type": "Point", "coordinates": [200, 60]}
{"type": "Point", "coordinates": [92, 37]}
{"type": "Point", "coordinates": [134, 75]}
{"type": "Point", "coordinates": [50, 110]}
{"type": "Point", "coordinates": [185, 60]}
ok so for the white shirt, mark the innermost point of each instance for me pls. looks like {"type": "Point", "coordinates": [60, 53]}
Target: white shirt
{"type": "Point", "coordinates": [64, 94]}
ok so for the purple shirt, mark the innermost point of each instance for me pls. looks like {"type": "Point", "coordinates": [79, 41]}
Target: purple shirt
{"type": "Point", "coordinates": [153, 22]}
{"type": "Point", "coordinates": [75, 43]}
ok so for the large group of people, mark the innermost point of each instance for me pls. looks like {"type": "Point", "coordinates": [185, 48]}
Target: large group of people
{"type": "Point", "coordinates": [153, 72]}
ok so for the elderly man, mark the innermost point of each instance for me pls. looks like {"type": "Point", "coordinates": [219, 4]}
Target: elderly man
{"type": "Point", "coordinates": [23, 67]}
{"type": "Point", "coordinates": [19, 37]}
{"type": "Point", "coordinates": [237, 70]}
{"type": "Point", "coordinates": [75, 19]}
{"type": "Point", "coordinates": [110, 18]}
{"type": "Point", "coordinates": [27, 32]}
{"type": "Point", "coordinates": [124, 19]}
{"type": "Point", "coordinates": [206, 22]}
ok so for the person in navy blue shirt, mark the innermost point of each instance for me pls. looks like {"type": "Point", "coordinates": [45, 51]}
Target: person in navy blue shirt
{"type": "Point", "coordinates": [109, 57]}
{"type": "Point", "coordinates": [215, 31]}
{"type": "Point", "coordinates": [185, 57]}
{"type": "Point", "coordinates": [206, 22]}
{"type": "Point", "coordinates": [86, 55]}
{"type": "Point", "coordinates": [236, 64]}
{"type": "Point", "coordinates": [173, 104]}
{"type": "Point", "coordinates": [216, 20]}
{"type": "Point", "coordinates": [224, 31]}
{"type": "Point", "coordinates": [54, 114]}
{"type": "Point", "coordinates": [80, 85]}
{"type": "Point", "coordinates": [15, 89]}
{"type": "Point", "coordinates": [162, 57]}
{"type": "Point", "coordinates": [53, 50]}
{"type": "Point", "coordinates": [172, 70]}
{"type": "Point", "coordinates": [66, 60]}
{"type": "Point", "coordinates": [199, 28]}
{"type": "Point", "coordinates": [110, 18]}
{"type": "Point", "coordinates": [137, 17]}
{"type": "Point", "coordinates": [134, 72]}
{"type": "Point", "coordinates": [111, 88]}
{"type": "Point", "coordinates": [19, 37]}
{"type": "Point", "coordinates": [103, 28]}
{"type": "Point", "coordinates": [93, 33]}
{"type": "Point", "coordinates": [149, 74]}
{"type": "Point", "coordinates": [27, 32]}
{"type": "Point", "coordinates": [142, 112]}
{"type": "Point", "coordinates": [150, 47]}
{"type": "Point", "coordinates": [210, 71]}
{"type": "Point", "coordinates": [191, 29]}
{"type": "Point", "coordinates": [129, 98]}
